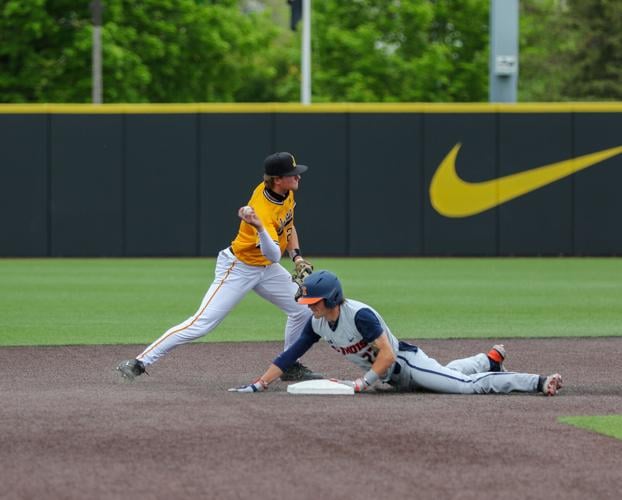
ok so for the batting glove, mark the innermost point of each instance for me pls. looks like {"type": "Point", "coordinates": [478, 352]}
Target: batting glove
{"type": "Point", "coordinates": [257, 386]}
{"type": "Point", "coordinates": [359, 385]}
{"type": "Point", "coordinates": [363, 383]}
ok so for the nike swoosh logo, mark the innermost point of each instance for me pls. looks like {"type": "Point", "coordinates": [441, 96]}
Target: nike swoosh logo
{"type": "Point", "coordinates": [452, 197]}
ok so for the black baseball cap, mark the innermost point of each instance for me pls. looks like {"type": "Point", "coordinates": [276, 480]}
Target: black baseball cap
{"type": "Point", "coordinates": [282, 165]}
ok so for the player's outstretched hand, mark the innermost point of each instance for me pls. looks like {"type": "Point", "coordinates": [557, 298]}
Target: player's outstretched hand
{"type": "Point", "coordinates": [359, 385]}
{"type": "Point", "coordinates": [257, 386]}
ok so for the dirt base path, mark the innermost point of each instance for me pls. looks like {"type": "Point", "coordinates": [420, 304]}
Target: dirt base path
{"type": "Point", "coordinates": [71, 429]}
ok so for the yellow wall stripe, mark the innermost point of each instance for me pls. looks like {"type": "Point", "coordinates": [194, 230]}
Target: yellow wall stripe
{"type": "Point", "coordinates": [172, 108]}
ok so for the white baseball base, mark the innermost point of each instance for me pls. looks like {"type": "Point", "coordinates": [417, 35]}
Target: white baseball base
{"type": "Point", "coordinates": [321, 387]}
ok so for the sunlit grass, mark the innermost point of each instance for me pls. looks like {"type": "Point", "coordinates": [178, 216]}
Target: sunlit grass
{"type": "Point", "coordinates": [109, 301]}
{"type": "Point", "coordinates": [609, 425]}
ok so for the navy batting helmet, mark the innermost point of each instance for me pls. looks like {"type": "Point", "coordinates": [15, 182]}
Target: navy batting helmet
{"type": "Point", "coordinates": [322, 285]}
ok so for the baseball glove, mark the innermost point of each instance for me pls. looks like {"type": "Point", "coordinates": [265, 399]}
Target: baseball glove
{"type": "Point", "coordinates": [303, 269]}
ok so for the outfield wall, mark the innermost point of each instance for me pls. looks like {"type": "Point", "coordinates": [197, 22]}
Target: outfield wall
{"type": "Point", "coordinates": [156, 180]}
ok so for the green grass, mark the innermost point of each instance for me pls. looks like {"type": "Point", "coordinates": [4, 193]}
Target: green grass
{"type": "Point", "coordinates": [609, 425]}
{"type": "Point", "coordinates": [107, 301]}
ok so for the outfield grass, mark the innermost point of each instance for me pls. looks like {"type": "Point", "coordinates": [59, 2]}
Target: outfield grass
{"type": "Point", "coordinates": [109, 301]}
{"type": "Point", "coordinates": [609, 425]}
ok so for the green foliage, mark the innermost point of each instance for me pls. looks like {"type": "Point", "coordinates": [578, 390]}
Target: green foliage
{"type": "Point", "coordinates": [153, 51]}
{"type": "Point", "coordinates": [570, 50]}
{"type": "Point", "coordinates": [42, 41]}
{"type": "Point", "coordinates": [379, 50]}
{"type": "Point", "coordinates": [545, 47]}
{"type": "Point", "coordinates": [363, 51]}
{"type": "Point", "coordinates": [597, 59]}
{"type": "Point", "coordinates": [221, 51]}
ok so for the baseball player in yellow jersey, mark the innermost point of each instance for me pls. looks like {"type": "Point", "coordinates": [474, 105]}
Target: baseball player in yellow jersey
{"type": "Point", "coordinates": [251, 263]}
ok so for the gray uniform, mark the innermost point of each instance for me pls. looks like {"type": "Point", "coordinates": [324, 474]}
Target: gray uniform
{"type": "Point", "coordinates": [414, 370]}
{"type": "Point", "coordinates": [347, 340]}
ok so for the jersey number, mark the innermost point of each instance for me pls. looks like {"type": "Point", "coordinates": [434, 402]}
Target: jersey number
{"type": "Point", "coordinates": [369, 355]}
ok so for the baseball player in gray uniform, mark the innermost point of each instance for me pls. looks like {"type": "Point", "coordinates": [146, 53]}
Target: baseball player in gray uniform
{"type": "Point", "coordinates": [361, 335]}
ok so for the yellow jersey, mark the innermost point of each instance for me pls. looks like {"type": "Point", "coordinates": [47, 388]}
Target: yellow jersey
{"type": "Point", "coordinates": [276, 213]}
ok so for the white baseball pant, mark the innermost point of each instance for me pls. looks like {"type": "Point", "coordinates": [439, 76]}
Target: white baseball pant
{"type": "Point", "coordinates": [416, 371]}
{"type": "Point", "coordinates": [233, 280]}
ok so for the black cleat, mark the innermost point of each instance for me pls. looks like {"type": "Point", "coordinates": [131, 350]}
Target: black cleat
{"type": "Point", "coordinates": [299, 372]}
{"type": "Point", "coordinates": [131, 368]}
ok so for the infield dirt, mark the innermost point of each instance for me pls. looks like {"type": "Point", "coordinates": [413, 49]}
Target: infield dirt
{"type": "Point", "coordinates": [71, 429]}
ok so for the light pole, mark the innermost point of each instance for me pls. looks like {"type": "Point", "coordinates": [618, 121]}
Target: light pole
{"type": "Point", "coordinates": [301, 9]}
{"type": "Point", "coordinates": [503, 65]}
{"type": "Point", "coordinates": [96, 52]}
{"type": "Point", "coordinates": [305, 84]}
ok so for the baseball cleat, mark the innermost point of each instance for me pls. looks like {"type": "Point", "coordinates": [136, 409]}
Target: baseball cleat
{"type": "Point", "coordinates": [298, 372]}
{"type": "Point", "coordinates": [131, 368]}
{"type": "Point", "coordinates": [496, 355]}
{"type": "Point", "coordinates": [552, 384]}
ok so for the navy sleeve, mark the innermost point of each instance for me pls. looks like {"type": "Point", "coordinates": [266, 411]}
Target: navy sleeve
{"type": "Point", "coordinates": [368, 325]}
{"type": "Point", "coordinates": [307, 338]}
